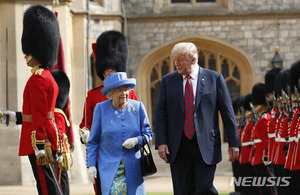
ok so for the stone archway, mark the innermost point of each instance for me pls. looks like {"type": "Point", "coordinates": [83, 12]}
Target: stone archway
{"type": "Point", "coordinates": [213, 54]}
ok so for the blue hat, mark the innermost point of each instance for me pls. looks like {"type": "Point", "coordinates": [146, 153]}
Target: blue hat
{"type": "Point", "coordinates": [117, 80]}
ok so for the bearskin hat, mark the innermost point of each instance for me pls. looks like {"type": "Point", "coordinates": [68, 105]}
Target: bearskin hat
{"type": "Point", "coordinates": [63, 83]}
{"type": "Point", "coordinates": [235, 104]}
{"type": "Point", "coordinates": [282, 81]}
{"type": "Point", "coordinates": [270, 78]}
{"type": "Point", "coordinates": [41, 35]}
{"type": "Point", "coordinates": [295, 76]}
{"type": "Point", "coordinates": [259, 94]}
{"type": "Point", "coordinates": [248, 99]}
{"type": "Point", "coordinates": [111, 52]}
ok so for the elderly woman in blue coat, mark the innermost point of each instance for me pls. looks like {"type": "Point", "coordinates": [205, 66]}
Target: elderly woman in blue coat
{"type": "Point", "coordinates": [116, 137]}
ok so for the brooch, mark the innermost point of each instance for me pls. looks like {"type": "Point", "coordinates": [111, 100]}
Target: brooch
{"type": "Point", "coordinates": [133, 110]}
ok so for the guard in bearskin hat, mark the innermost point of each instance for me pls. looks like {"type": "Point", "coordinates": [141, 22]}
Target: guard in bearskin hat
{"type": "Point", "coordinates": [111, 53]}
{"type": "Point", "coordinates": [293, 158]}
{"type": "Point", "coordinates": [260, 160]}
{"type": "Point", "coordinates": [62, 122]}
{"type": "Point", "coordinates": [281, 130]}
{"type": "Point", "coordinates": [270, 78]}
{"type": "Point", "coordinates": [247, 144]}
{"type": "Point", "coordinates": [39, 135]}
{"type": "Point", "coordinates": [237, 168]}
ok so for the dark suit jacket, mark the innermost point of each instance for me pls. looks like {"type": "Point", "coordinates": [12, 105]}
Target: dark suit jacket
{"type": "Point", "coordinates": [212, 96]}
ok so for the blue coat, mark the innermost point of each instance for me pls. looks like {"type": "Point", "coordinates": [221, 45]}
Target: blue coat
{"type": "Point", "coordinates": [212, 98]}
{"type": "Point", "coordinates": [110, 128]}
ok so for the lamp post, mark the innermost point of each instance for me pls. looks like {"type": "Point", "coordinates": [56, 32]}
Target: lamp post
{"type": "Point", "coordinates": [277, 60]}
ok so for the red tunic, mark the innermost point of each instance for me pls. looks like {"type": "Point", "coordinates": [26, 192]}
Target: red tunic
{"type": "Point", "coordinates": [39, 98]}
{"type": "Point", "coordinates": [296, 155]}
{"type": "Point", "coordinates": [95, 96]}
{"type": "Point", "coordinates": [281, 141]}
{"type": "Point", "coordinates": [246, 143]}
{"type": "Point", "coordinates": [60, 121]}
{"type": "Point", "coordinates": [292, 138]}
{"type": "Point", "coordinates": [272, 131]}
{"type": "Point", "coordinates": [260, 139]}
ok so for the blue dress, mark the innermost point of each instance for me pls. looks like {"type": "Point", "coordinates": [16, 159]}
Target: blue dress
{"type": "Point", "coordinates": [110, 128]}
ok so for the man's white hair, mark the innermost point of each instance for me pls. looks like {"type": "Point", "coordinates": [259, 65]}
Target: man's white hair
{"type": "Point", "coordinates": [186, 48]}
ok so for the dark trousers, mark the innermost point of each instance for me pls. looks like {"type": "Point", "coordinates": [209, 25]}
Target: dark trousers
{"type": "Point", "coordinates": [248, 171]}
{"type": "Point", "coordinates": [295, 182]}
{"type": "Point", "coordinates": [64, 182]}
{"type": "Point", "coordinates": [263, 171]}
{"type": "Point", "coordinates": [281, 172]}
{"type": "Point", "coordinates": [45, 182]}
{"type": "Point", "coordinates": [190, 174]}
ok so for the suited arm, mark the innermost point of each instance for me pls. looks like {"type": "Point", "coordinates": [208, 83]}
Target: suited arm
{"type": "Point", "coordinates": [161, 121]}
{"type": "Point", "coordinates": [227, 114]}
{"type": "Point", "coordinates": [161, 124]}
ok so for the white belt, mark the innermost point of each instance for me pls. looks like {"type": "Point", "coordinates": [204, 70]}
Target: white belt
{"type": "Point", "coordinates": [279, 139]}
{"type": "Point", "coordinates": [247, 143]}
{"type": "Point", "coordinates": [292, 139]}
{"type": "Point", "coordinates": [271, 135]}
{"type": "Point", "coordinates": [257, 141]}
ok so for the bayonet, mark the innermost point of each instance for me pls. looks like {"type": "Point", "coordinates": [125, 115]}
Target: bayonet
{"type": "Point", "coordinates": [268, 104]}
{"type": "Point", "coordinates": [285, 102]}
{"type": "Point", "coordinates": [255, 114]}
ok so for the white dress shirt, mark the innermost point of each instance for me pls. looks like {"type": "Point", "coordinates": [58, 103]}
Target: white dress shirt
{"type": "Point", "coordinates": [194, 79]}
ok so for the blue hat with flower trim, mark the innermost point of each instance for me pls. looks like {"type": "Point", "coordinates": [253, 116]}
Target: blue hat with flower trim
{"type": "Point", "coordinates": [117, 80]}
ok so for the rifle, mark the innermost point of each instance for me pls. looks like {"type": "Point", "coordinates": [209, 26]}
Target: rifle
{"type": "Point", "coordinates": [255, 114]}
{"type": "Point", "coordinates": [242, 119]}
{"type": "Point", "coordinates": [289, 103]}
{"type": "Point", "coordinates": [269, 108]}
{"type": "Point", "coordinates": [284, 102]}
{"type": "Point", "coordinates": [297, 99]}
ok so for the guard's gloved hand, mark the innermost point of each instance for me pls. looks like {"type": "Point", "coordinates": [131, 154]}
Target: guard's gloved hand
{"type": "Point", "coordinates": [39, 153]}
{"type": "Point", "coordinates": [84, 135]}
{"type": "Point", "coordinates": [59, 157]}
{"type": "Point", "coordinates": [130, 142]}
{"type": "Point", "coordinates": [12, 116]}
{"type": "Point", "coordinates": [92, 173]}
{"type": "Point", "coordinates": [41, 158]}
{"type": "Point", "coordinates": [266, 160]}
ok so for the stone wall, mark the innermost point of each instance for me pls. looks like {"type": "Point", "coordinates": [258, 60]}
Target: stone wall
{"type": "Point", "coordinates": [255, 6]}
{"type": "Point", "coordinates": [257, 38]}
{"type": "Point", "coordinates": [144, 7]}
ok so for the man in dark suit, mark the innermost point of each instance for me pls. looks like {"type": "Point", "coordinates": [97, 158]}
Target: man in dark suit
{"type": "Point", "coordinates": [187, 134]}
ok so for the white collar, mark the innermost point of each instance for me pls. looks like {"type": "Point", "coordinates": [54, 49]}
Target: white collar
{"type": "Point", "coordinates": [193, 74]}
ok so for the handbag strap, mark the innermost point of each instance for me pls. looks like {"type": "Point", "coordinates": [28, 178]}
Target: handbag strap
{"type": "Point", "coordinates": [146, 143]}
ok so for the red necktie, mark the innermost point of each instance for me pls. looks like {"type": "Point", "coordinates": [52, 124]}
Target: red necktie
{"type": "Point", "coordinates": [189, 126]}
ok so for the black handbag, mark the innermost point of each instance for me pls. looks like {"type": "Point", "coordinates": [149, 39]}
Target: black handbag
{"type": "Point", "coordinates": [148, 165]}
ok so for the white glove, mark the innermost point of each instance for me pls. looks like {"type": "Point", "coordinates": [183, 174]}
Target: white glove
{"type": "Point", "coordinates": [39, 153]}
{"type": "Point", "coordinates": [130, 142]}
{"type": "Point", "coordinates": [59, 158]}
{"type": "Point", "coordinates": [84, 134]}
{"type": "Point", "coordinates": [11, 114]}
{"type": "Point", "coordinates": [92, 173]}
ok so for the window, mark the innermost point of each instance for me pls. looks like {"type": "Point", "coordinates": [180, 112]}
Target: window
{"type": "Point", "coordinates": [223, 58]}
{"type": "Point", "coordinates": [206, 59]}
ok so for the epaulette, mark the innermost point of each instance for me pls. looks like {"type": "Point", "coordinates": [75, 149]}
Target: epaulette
{"type": "Point", "coordinates": [39, 71]}
{"type": "Point", "coordinates": [63, 113]}
{"type": "Point", "coordinates": [264, 115]}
